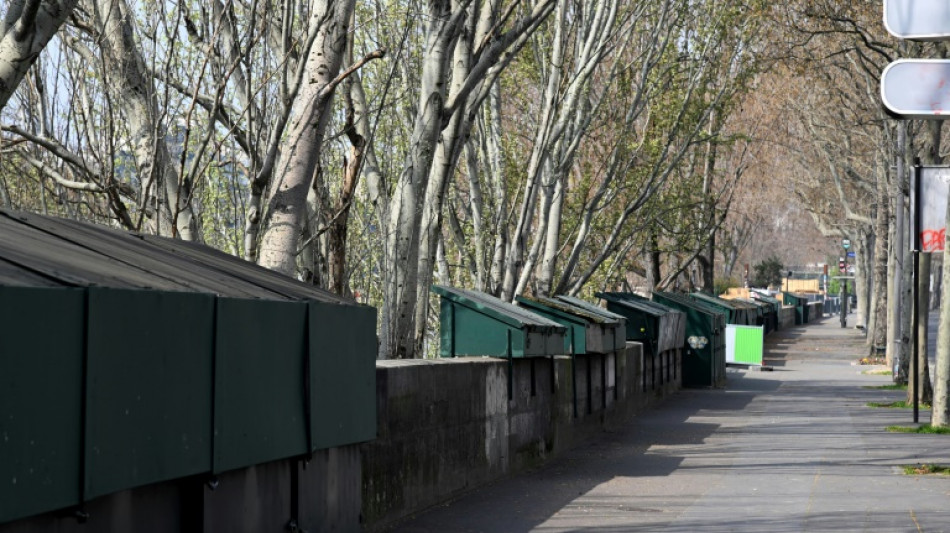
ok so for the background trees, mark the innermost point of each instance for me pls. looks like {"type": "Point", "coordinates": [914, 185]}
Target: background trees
{"type": "Point", "coordinates": [768, 273]}
{"type": "Point", "coordinates": [513, 146]}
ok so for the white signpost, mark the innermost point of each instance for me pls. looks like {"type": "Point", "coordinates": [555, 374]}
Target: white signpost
{"type": "Point", "coordinates": [917, 20]}
{"type": "Point", "coordinates": [917, 88]}
{"type": "Point", "coordinates": [920, 88]}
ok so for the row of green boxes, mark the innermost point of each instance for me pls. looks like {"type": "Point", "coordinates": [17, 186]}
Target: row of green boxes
{"type": "Point", "coordinates": [800, 303]}
{"type": "Point", "coordinates": [770, 307]}
{"type": "Point", "coordinates": [703, 337]}
{"type": "Point", "coordinates": [474, 323]}
{"type": "Point", "coordinates": [478, 324]}
{"type": "Point", "coordinates": [103, 390]}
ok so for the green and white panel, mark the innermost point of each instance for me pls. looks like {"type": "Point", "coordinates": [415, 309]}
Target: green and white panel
{"type": "Point", "coordinates": [744, 344]}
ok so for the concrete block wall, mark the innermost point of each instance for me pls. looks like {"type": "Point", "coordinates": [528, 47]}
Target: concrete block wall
{"type": "Point", "coordinates": [449, 426]}
{"type": "Point", "coordinates": [786, 317]}
{"type": "Point", "coordinates": [321, 493]}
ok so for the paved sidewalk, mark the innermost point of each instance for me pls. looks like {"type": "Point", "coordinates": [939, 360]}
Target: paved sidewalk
{"type": "Point", "coordinates": [796, 449]}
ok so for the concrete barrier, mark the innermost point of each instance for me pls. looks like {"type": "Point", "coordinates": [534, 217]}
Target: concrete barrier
{"type": "Point", "coordinates": [321, 493]}
{"type": "Point", "coordinates": [786, 317]}
{"type": "Point", "coordinates": [448, 426]}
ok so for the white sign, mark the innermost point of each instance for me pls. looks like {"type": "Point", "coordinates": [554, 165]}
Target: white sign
{"type": "Point", "coordinates": [919, 20]}
{"type": "Point", "coordinates": [934, 189]}
{"type": "Point", "coordinates": [917, 88]}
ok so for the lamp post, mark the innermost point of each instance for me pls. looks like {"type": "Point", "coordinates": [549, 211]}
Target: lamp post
{"type": "Point", "coordinates": [844, 303]}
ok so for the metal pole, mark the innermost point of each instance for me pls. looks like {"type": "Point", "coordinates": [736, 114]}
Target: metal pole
{"type": "Point", "coordinates": [844, 303]}
{"type": "Point", "coordinates": [916, 289]}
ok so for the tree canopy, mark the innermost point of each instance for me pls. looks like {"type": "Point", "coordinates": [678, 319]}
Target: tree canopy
{"type": "Point", "coordinates": [541, 146]}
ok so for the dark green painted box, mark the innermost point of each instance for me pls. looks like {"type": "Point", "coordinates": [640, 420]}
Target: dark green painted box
{"type": "Point", "coordinates": [474, 323]}
{"type": "Point", "coordinates": [148, 387]}
{"type": "Point", "coordinates": [41, 364]}
{"type": "Point", "coordinates": [587, 331]}
{"type": "Point", "coordinates": [658, 327]}
{"type": "Point", "coordinates": [103, 390]}
{"type": "Point", "coordinates": [129, 360]}
{"type": "Point", "coordinates": [704, 363]}
{"type": "Point", "coordinates": [800, 303]}
{"type": "Point", "coordinates": [736, 313]}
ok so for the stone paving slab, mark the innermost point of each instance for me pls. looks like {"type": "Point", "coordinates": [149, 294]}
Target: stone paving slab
{"type": "Point", "coordinates": [796, 449]}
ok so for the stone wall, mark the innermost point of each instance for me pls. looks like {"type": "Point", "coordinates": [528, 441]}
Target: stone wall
{"type": "Point", "coordinates": [786, 318]}
{"type": "Point", "coordinates": [786, 315]}
{"type": "Point", "coordinates": [449, 426]}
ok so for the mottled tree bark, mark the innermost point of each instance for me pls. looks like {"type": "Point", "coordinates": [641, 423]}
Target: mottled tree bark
{"type": "Point", "coordinates": [27, 27]}
{"type": "Point", "coordinates": [287, 202]}
{"type": "Point", "coordinates": [878, 325]}
{"type": "Point", "coordinates": [165, 193]}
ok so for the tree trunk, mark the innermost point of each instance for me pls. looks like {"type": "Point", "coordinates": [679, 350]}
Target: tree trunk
{"type": "Point", "coordinates": [339, 225]}
{"type": "Point", "coordinates": [416, 209]}
{"type": "Point", "coordinates": [895, 277]}
{"type": "Point", "coordinates": [907, 295]}
{"type": "Point", "coordinates": [878, 332]}
{"type": "Point", "coordinates": [862, 284]}
{"type": "Point", "coordinates": [287, 201]}
{"type": "Point", "coordinates": [498, 178]}
{"type": "Point", "coordinates": [476, 205]}
{"type": "Point", "coordinates": [353, 165]}
{"type": "Point", "coordinates": [893, 325]}
{"type": "Point", "coordinates": [653, 262]}
{"type": "Point", "coordinates": [922, 308]}
{"type": "Point", "coordinates": [552, 242]}
{"type": "Point", "coordinates": [941, 403]}
{"type": "Point", "coordinates": [405, 207]}
{"type": "Point", "coordinates": [451, 140]}
{"type": "Point", "coordinates": [708, 263]}
{"type": "Point", "coordinates": [545, 135]}
{"type": "Point", "coordinates": [27, 27]}
{"type": "Point", "coordinates": [164, 192]}
{"type": "Point", "coordinates": [567, 106]}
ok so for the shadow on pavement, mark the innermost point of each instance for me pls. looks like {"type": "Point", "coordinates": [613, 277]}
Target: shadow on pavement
{"type": "Point", "coordinates": [531, 499]}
